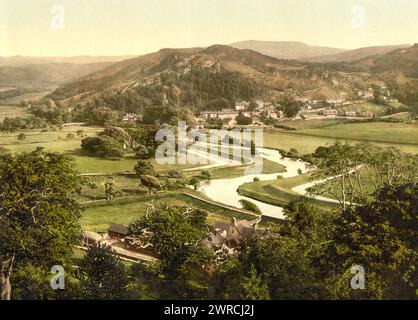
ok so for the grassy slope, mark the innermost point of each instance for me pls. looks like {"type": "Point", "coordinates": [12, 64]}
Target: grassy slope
{"type": "Point", "coordinates": [278, 192]}
{"type": "Point", "coordinates": [12, 112]}
{"type": "Point", "coordinates": [98, 215]}
{"type": "Point", "coordinates": [309, 136]}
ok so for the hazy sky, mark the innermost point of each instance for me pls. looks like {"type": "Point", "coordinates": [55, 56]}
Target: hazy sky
{"type": "Point", "coordinates": [120, 27]}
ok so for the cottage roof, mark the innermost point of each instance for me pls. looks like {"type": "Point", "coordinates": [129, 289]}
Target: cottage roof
{"type": "Point", "coordinates": [92, 236]}
{"type": "Point", "coordinates": [118, 228]}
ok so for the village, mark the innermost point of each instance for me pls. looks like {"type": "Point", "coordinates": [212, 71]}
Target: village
{"type": "Point", "coordinates": [223, 237]}
{"type": "Point", "coordinates": [260, 113]}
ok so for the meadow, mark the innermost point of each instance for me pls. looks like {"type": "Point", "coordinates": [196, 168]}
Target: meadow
{"type": "Point", "coordinates": [279, 192]}
{"type": "Point", "coordinates": [98, 214]}
{"type": "Point", "coordinates": [308, 136]}
{"type": "Point", "coordinates": [12, 111]}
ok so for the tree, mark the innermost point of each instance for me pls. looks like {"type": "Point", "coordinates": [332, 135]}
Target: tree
{"type": "Point", "coordinates": [144, 168]}
{"type": "Point", "coordinates": [339, 165]}
{"type": "Point", "coordinates": [103, 146]}
{"type": "Point", "coordinates": [382, 237]}
{"type": "Point", "coordinates": [252, 106]}
{"type": "Point", "coordinates": [21, 136]}
{"type": "Point", "coordinates": [175, 233]}
{"type": "Point", "coordinates": [253, 287]}
{"type": "Point", "coordinates": [142, 152]}
{"type": "Point", "coordinates": [243, 120]}
{"type": "Point", "coordinates": [119, 134]}
{"type": "Point", "coordinates": [206, 174]}
{"type": "Point", "coordinates": [102, 274]}
{"type": "Point", "coordinates": [346, 168]}
{"type": "Point", "coordinates": [38, 213]}
{"type": "Point", "coordinates": [248, 205]}
{"type": "Point", "coordinates": [289, 106]}
{"type": "Point", "coordinates": [150, 182]}
{"type": "Point", "coordinates": [111, 190]}
{"type": "Point", "coordinates": [194, 181]}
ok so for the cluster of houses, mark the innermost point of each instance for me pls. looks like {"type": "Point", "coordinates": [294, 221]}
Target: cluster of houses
{"type": "Point", "coordinates": [332, 113]}
{"type": "Point", "coordinates": [366, 94]}
{"type": "Point", "coordinates": [228, 116]}
{"type": "Point", "coordinates": [223, 236]}
{"type": "Point", "coordinates": [131, 118]}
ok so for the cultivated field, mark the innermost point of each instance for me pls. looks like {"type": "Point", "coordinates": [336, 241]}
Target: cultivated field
{"type": "Point", "coordinates": [308, 136]}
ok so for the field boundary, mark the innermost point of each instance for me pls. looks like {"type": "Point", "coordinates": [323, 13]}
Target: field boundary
{"type": "Point", "coordinates": [237, 210]}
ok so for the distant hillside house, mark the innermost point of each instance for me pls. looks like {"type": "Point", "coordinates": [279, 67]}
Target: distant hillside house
{"type": "Point", "coordinates": [242, 105]}
{"type": "Point", "coordinates": [117, 231]}
{"type": "Point", "coordinates": [232, 234]}
{"type": "Point", "coordinates": [209, 114]}
{"type": "Point", "coordinates": [131, 118]}
{"type": "Point", "coordinates": [336, 101]}
{"type": "Point", "coordinates": [74, 124]}
{"type": "Point", "coordinates": [368, 95]}
{"type": "Point", "coordinates": [350, 113]}
{"type": "Point", "coordinates": [367, 114]}
{"type": "Point", "coordinates": [329, 112]}
{"type": "Point", "coordinates": [227, 114]}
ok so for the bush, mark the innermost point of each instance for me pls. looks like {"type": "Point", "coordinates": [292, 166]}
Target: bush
{"type": "Point", "coordinates": [142, 152]}
{"type": "Point", "coordinates": [143, 168]}
{"type": "Point", "coordinates": [103, 146]}
{"type": "Point", "coordinates": [21, 136]}
{"type": "Point", "coordinates": [206, 174]}
{"type": "Point", "coordinates": [256, 179]}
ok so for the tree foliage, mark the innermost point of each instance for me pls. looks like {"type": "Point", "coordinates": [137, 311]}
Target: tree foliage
{"type": "Point", "coordinates": [38, 213]}
{"type": "Point", "coordinates": [102, 274]}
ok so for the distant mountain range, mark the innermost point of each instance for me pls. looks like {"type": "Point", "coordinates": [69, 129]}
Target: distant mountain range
{"type": "Point", "coordinates": [46, 75]}
{"type": "Point", "coordinates": [357, 54]}
{"type": "Point", "coordinates": [21, 74]}
{"type": "Point", "coordinates": [199, 77]}
{"type": "Point", "coordinates": [302, 51]}
{"type": "Point", "coordinates": [286, 49]}
{"type": "Point", "coordinates": [23, 60]}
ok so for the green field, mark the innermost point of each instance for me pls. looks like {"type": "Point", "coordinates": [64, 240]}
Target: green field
{"type": "Point", "coordinates": [98, 215]}
{"type": "Point", "coordinates": [359, 108]}
{"type": "Point", "coordinates": [279, 192]}
{"type": "Point", "coordinates": [57, 141]}
{"type": "Point", "coordinates": [307, 138]}
{"type": "Point", "coordinates": [11, 111]}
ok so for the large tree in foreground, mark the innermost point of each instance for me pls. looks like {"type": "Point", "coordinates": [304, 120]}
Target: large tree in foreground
{"type": "Point", "coordinates": [382, 237]}
{"type": "Point", "coordinates": [176, 234]}
{"type": "Point", "coordinates": [102, 274]}
{"type": "Point", "coordinates": [38, 214]}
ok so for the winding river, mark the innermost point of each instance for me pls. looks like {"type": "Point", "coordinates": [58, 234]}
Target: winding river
{"type": "Point", "coordinates": [225, 190]}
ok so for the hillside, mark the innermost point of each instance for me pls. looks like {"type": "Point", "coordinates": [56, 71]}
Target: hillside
{"type": "Point", "coordinates": [20, 76]}
{"type": "Point", "coordinates": [286, 49]}
{"type": "Point", "coordinates": [45, 75]}
{"type": "Point", "coordinates": [357, 54]}
{"type": "Point", "coordinates": [24, 60]}
{"type": "Point", "coordinates": [193, 76]}
{"type": "Point", "coordinates": [213, 78]}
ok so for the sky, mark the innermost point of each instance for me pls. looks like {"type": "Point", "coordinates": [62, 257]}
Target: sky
{"type": "Point", "coordinates": [134, 27]}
